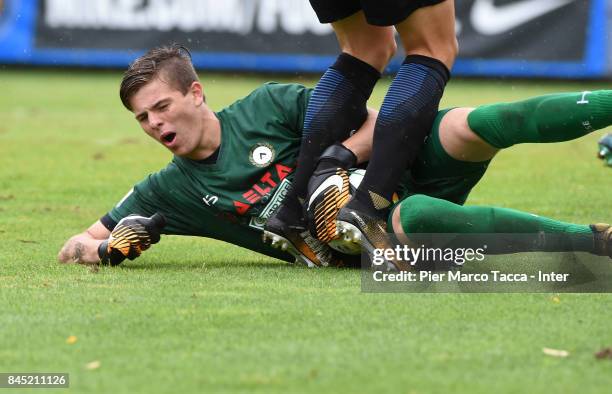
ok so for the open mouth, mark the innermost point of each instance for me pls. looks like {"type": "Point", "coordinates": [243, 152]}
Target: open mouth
{"type": "Point", "coordinates": [168, 138]}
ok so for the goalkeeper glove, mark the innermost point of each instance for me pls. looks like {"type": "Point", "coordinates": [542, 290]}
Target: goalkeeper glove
{"type": "Point", "coordinates": [328, 191]}
{"type": "Point", "coordinates": [132, 235]}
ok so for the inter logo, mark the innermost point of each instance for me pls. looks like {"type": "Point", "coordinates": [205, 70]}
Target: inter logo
{"type": "Point", "coordinates": [262, 154]}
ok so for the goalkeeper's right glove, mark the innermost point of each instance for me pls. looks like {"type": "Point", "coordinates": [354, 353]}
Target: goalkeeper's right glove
{"type": "Point", "coordinates": [132, 235]}
{"type": "Point", "coordinates": [328, 191]}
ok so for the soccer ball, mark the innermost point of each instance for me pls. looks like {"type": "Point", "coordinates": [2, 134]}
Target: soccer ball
{"type": "Point", "coordinates": [355, 177]}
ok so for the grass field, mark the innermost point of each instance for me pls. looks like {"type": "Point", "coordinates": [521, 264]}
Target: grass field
{"type": "Point", "coordinates": [193, 315]}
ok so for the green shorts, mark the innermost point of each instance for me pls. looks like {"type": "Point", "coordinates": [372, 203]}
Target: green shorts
{"type": "Point", "coordinates": [436, 174]}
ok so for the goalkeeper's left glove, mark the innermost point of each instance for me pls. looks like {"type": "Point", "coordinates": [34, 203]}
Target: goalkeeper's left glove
{"type": "Point", "coordinates": [130, 237]}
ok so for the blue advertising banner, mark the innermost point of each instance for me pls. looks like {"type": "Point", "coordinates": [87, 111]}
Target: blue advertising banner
{"type": "Point", "coordinates": [514, 38]}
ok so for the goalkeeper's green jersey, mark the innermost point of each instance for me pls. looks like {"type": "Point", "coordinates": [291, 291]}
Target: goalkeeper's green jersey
{"type": "Point", "coordinates": [230, 198]}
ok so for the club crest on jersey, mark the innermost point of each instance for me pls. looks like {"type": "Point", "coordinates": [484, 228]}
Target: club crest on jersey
{"type": "Point", "coordinates": [262, 154]}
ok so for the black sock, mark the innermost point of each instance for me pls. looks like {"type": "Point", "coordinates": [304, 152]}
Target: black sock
{"type": "Point", "coordinates": [291, 210]}
{"type": "Point", "coordinates": [337, 107]}
{"type": "Point", "coordinates": [404, 121]}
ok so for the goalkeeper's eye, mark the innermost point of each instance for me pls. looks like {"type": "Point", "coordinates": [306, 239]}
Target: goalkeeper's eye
{"type": "Point", "coordinates": [142, 118]}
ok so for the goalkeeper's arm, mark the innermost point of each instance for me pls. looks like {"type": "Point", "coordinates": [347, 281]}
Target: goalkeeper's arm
{"type": "Point", "coordinates": [360, 143]}
{"type": "Point", "coordinates": [83, 247]}
{"type": "Point", "coordinates": [130, 237]}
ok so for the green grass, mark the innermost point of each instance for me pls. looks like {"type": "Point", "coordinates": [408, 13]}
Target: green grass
{"type": "Point", "coordinates": [194, 315]}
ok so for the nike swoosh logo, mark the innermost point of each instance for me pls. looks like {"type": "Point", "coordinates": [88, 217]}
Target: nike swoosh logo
{"type": "Point", "coordinates": [488, 19]}
{"type": "Point", "coordinates": [334, 180]}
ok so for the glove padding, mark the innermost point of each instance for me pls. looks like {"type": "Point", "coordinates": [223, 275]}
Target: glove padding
{"type": "Point", "coordinates": [328, 191]}
{"type": "Point", "coordinates": [130, 237]}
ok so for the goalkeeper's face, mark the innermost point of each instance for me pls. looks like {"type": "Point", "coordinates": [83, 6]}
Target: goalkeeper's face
{"type": "Point", "coordinates": [170, 117]}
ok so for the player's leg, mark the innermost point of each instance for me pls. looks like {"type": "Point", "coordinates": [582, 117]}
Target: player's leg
{"type": "Point", "coordinates": [408, 110]}
{"type": "Point", "coordinates": [549, 118]}
{"type": "Point", "coordinates": [458, 148]}
{"type": "Point", "coordinates": [338, 102]}
{"type": "Point", "coordinates": [476, 135]}
{"type": "Point", "coordinates": [455, 158]}
{"type": "Point", "coordinates": [374, 45]}
{"type": "Point", "coordinates": [459, 141]}
{"type": "Point", "coordinates": [424, 214]}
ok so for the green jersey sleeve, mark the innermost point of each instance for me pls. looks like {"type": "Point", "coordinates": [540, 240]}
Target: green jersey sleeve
{"type": "Point", "coordinates": [140, 200]}
{"type": "Point", "coordinates": [292, 100]}
{"type": "Point", "coordinates": [149, 197]}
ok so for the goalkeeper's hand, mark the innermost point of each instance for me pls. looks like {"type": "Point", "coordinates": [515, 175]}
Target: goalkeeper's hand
{"type": "Point", "coordinates": [130, 237]}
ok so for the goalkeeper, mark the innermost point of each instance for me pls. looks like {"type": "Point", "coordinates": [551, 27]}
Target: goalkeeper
{"type": "Point", "coordinates": [231, 168]}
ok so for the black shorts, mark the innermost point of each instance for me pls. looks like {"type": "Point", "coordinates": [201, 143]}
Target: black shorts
{"type": "Point", "coordinates": [377, 12]}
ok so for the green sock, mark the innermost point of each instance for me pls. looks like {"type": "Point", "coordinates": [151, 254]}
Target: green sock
{"type": "Point", "coordinates": [424, 214]}
{"type": "Point", "coordinates": [550, 118]}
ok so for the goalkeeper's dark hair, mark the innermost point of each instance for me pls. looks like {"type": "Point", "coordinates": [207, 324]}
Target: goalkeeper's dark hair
{"type": "Point", "coordinates": [172, 64]}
